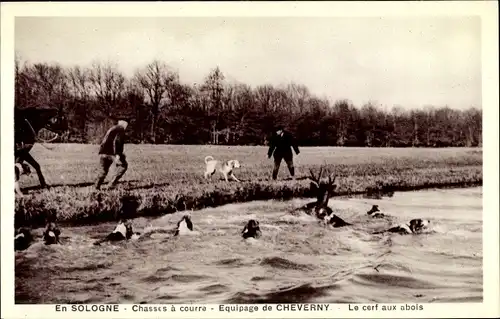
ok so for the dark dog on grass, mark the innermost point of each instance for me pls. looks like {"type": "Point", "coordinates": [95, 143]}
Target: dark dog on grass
{"type": "Point", "coordinates": [251, 229]}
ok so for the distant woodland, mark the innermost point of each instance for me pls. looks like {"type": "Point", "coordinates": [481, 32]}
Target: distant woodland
{"type": "Point", "coordinates": [164, 110]}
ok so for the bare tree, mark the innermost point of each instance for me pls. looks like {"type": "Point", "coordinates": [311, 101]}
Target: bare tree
{"type": "Point", "coordinates": [80, 88]}
{"type": "Point", "coordinates": [213, 90]}
{"type": "Point", "coordinates": [299, 95]}
{"type": "Point", "coordinates": [238, 99]}
{"type": "Point", "coordinates": [108, 86]}
{"type": "Point", "coordinates": [263, 95]}
{"type": "Point", "coordinates": [80, 84]}
{"type": "Point", "coordinates": [21, 96]}
{"type": "Point", "coordinates": [155, 80]}
{"type": "Point", "coordinates": [342, 111]}
{"type": "Point", "coordinates": [42, 84]}
{"type": "Point", "coordinates": [217, 112]}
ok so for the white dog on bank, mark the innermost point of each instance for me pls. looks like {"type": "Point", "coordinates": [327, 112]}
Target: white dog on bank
{"type": "Point", "coordinates": [226, 168]}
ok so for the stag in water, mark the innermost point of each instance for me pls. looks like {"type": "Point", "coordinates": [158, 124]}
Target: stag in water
{"type": "Point", "coordinates": [324, 189]}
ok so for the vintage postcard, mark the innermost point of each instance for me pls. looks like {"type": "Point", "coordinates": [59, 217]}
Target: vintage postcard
{"type": "Point", "coordinates": [250, 160]}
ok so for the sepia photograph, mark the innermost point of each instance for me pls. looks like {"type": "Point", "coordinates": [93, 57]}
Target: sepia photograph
{"type": "Point", "coordinates": [247, 160]}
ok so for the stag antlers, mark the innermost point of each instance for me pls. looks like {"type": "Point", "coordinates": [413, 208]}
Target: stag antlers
{"type": "Point", "coordinates": [317, 180]}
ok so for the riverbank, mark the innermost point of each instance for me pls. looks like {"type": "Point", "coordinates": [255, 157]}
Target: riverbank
{"type": "Point", "coordinates": [166, 179]}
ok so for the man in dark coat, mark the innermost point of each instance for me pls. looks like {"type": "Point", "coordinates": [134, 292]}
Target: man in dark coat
{"type": "Point", "coordinates": [281, 144]}
{"type": "Point", "coordinates": [111, 151]}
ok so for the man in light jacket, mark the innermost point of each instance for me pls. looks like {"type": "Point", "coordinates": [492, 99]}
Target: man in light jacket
{"type": "Point", "coordinates": [111, 151]}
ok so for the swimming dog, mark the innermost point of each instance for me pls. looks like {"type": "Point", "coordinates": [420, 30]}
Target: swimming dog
{"type": "Point", "coordinates": [51, 234]}
{"type": "Point", "coordinates": [374, 211]}
{"type": "Point", "coordinates": [22, 239]}
{"type": "Point", "coordinates": [123, 231]}
{"type": "Point", "coordinates": [184, 226]}
{"type": "Point", "coordinates": [415, 226]}
{"type": "Point", "coordinates": [20, 169]}
{"type": "Point", "coordinates": [326, 215]}
{"type": "Point", "coordinates": [225, 168]}
{"type": "Point", "coordinates": [251, 229]}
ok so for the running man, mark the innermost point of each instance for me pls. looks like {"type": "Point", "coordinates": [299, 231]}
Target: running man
{"type": "Point", "coordinates": [111, 151]}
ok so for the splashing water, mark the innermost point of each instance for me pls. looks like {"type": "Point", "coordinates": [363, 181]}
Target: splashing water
{"type": "Point", "coordinates": [296, 259]}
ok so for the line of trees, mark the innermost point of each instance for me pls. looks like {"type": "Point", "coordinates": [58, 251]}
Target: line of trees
{"type": "Point", "coordinates": [162, 109]}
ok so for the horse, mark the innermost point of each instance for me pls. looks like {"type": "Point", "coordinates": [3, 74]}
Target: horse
{"type": "Point", "coordinates": [27, 124]}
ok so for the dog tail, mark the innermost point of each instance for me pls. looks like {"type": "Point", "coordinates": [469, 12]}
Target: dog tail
{"type": "Point", "coordinates": [208, 158]}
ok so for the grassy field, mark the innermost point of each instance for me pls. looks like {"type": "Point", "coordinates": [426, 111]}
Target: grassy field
{"type": "Point", "coordinates": [166, 178]}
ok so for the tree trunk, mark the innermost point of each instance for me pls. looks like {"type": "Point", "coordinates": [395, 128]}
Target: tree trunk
{"type": "Point", "coordinates": [415, 134]}
{"type": "Point", "coordinates": [153, 128]}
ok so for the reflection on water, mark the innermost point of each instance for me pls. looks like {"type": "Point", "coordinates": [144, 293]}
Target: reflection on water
{"type": "Point", "coordinates": [295, 260]}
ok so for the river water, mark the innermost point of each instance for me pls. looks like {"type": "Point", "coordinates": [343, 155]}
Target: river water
{"type": "Point", "coordinates": [295, 260]}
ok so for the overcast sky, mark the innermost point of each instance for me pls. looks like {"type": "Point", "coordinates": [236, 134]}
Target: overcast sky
{"type": "Point", "coordinates": [410, 62]}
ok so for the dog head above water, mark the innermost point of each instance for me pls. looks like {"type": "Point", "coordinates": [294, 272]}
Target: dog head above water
{"type": "Point", "coordinates": [324, 213]}
{"type": "Point", "coordinates": [374, 212]}
{"type": "Point", "coordinates": [184, 226]}
{"type": "Point", "coordinates": [251, 229]}
{"type": "Point", "coordinates": [122, 231]}
{"type": "Point", "coordinates": [51, 234]}
{"type": "Point", "coordinates": [374, 209]}
{"type": "Point", "coordinates": [22, 238]}
{"type": "Point", "coordinates": [327, 217]}
{"type": "Point", "coordinates": [417, 225]}
{"type": "Point", "coordinates": [125, 228]}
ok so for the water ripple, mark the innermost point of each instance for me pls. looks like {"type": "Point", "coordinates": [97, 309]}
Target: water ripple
{"type": "Point", "coordinates": [296, 260]}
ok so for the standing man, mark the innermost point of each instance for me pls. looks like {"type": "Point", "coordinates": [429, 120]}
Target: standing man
{"type": "Point", "coordinates": [111, 150]}
{"type": "Point", "coordinates": [281, 143]}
